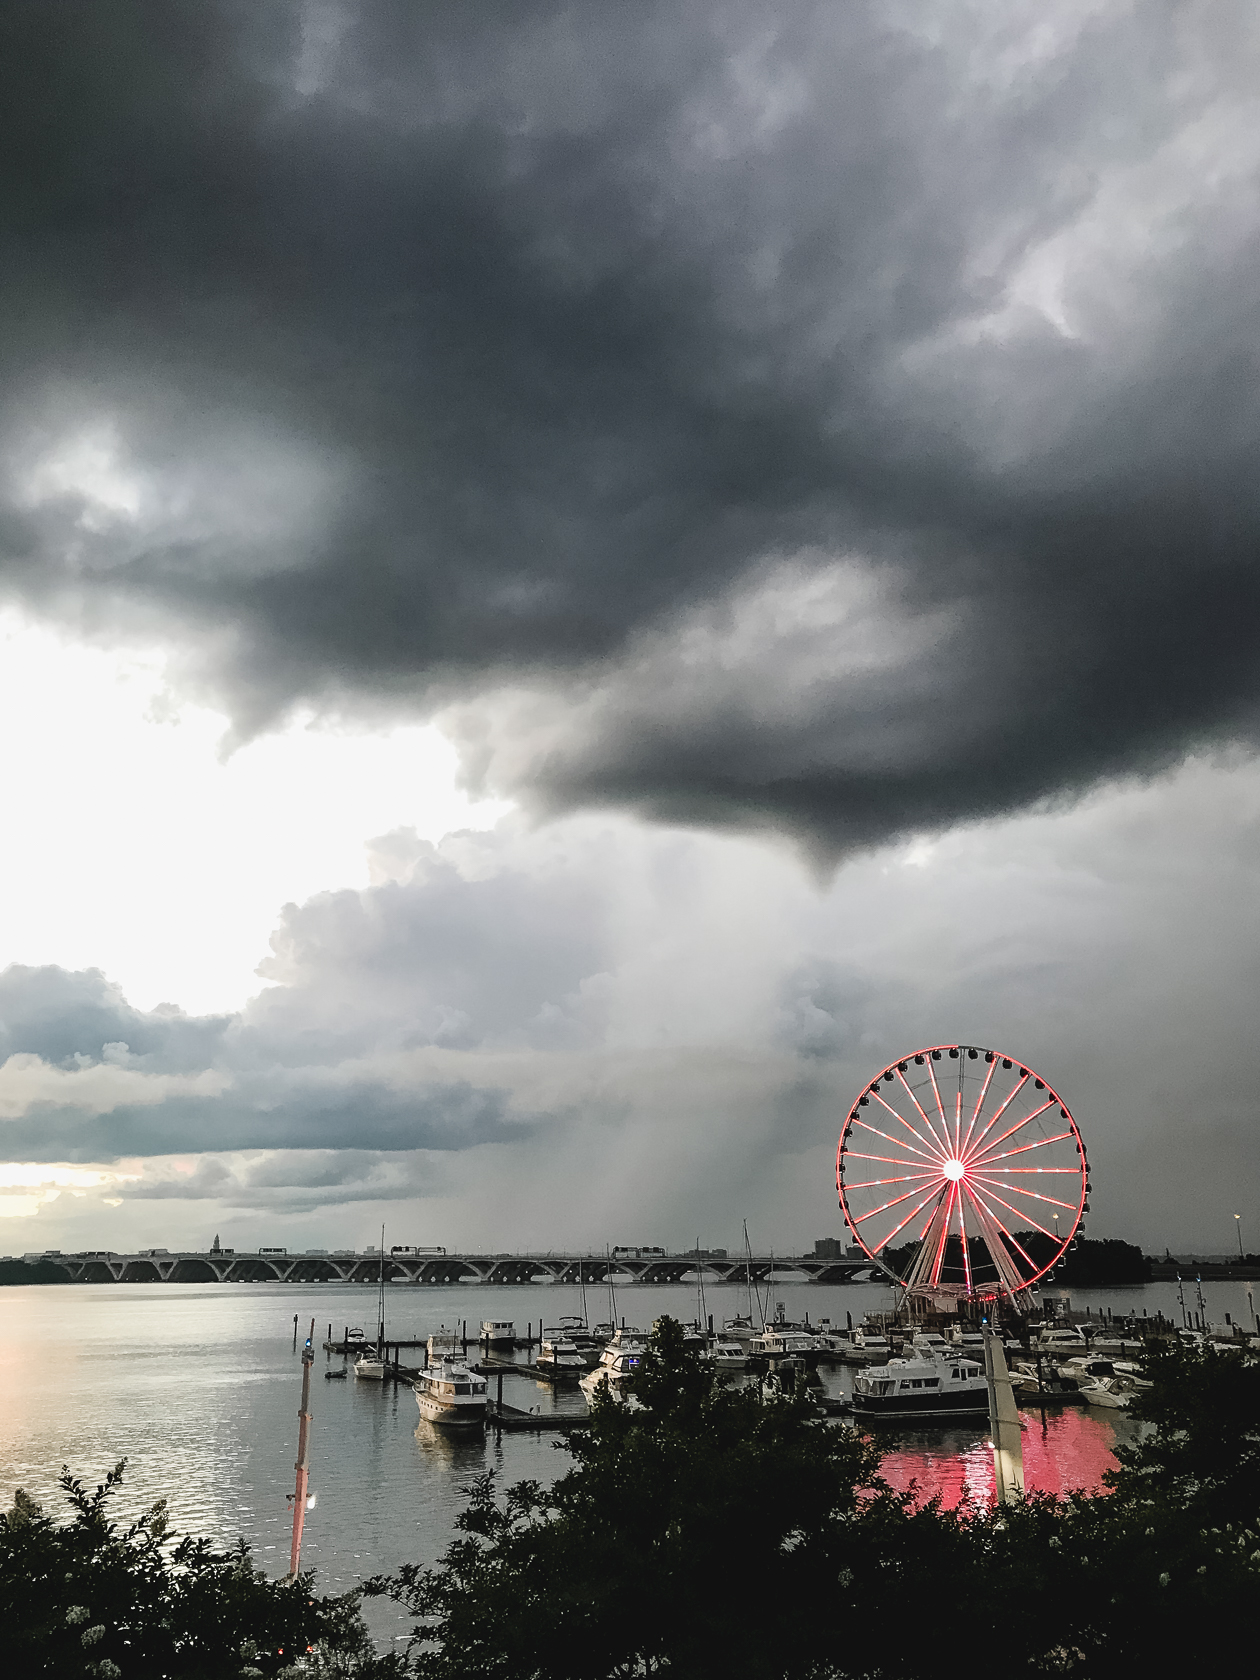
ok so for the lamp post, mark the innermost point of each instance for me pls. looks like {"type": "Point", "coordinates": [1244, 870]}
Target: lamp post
{"type": "Point", "coordinates": [1238, 1233]}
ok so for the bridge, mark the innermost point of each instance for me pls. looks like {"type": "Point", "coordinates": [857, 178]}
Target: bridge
{"type": "Point", "coordinates": [159, 1265]}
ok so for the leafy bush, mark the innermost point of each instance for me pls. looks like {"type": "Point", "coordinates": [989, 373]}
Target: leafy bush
{"type": "Point", "coordinates": [90, 1598]}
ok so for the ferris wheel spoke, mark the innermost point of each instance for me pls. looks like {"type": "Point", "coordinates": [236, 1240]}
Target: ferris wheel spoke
{"type": "Point", "coordinates": [1010, 1132]}
{"type": "Point", "coordinates": [1010, 1098]}
{"type": "Point", "coordinates": [863, 1217]}
{"type": "Point", "coordinates": [1073, 1171]}
{"type": "Point", "coordinates": [922, 1115]}
{"type": "Point", "coordinates": [870, 1183]}
{"type": "Point", "coordinates": [984, 1091]}
{"type": "Point", "coordinates": [1018, 1190]}
{"type": "Point", "coordinates": [892, 1160]}
{"type": "Point", "coordinates": [944, 1237]}
{"type": "Point", "coordinates": [901, 1117]}
{"type": "Point", "coordinates": [1018, 1212]}
{"type": "Point", "coordinates": [1016, 1245]}
{"type": "Point", "coordinates": [962, 1231]}
{"type": "Point", "coordinates": [936, 1092]}
{"type": "Point", "coordinates": [987, 1160]}
{"type": "Point", "coordinates": [913, 1214]}
{"type": "Point", "coordinates": [898, 1144]}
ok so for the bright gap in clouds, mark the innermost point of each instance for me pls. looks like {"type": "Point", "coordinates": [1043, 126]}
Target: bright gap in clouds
{"type": "Point", "coordinates": [127, 845]}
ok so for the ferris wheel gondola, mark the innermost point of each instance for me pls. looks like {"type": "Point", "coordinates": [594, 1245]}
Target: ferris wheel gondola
{"type": "Point", "coordinates": [963, 1172]}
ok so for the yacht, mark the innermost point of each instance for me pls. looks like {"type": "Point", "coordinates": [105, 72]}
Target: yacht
{"type": "Point", "coordinates": [618, 1366]}
{"type": "Point", "coordinates": [926, 1386]}
{"type": "Point", "coordinates": [451, 1396]}
{"type": "Point", "coordinates": [589, 1343]}
{"type": "Point", "coordinates": [1064, 1339]}
{"type": "Point", "coordinates": [497, 1334]}
{"type": "Point", "coordinates": [738, 1329]}
{"type": "Point", "coordinates": [776, 1343]}
{"type": "Point", "coordinates": [370, 1365]}
{"type": "Point", "coordinates": [727, 1356]}
{"type": "Point", "coordinates": [558, 1356]}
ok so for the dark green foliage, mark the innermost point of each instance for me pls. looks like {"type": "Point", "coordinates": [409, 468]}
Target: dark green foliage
{"type": "Point", "coordinates": [1090, 1263]}
{"type": "Point", "coordinates": [90, 1598]}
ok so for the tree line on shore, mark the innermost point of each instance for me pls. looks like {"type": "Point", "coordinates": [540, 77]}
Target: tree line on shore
{"type": "Point", "coordinates": [705, 1534]}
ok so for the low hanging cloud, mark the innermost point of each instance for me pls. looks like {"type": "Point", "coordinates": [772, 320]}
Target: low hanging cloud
{"type": "Point", "coordinates": [835, 419]}
{"type": "Point", "coordinates": [660, 1032]}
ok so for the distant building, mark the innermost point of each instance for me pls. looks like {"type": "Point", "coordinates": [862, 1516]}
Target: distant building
{"type": "Point", "coordinates": [829, 1248]}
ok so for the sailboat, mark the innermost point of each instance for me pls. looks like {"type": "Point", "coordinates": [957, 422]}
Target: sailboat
{"type": "Point", "coordinates": [742, 1328]}
{"type": "Point", "coordinates": [371, 1362]}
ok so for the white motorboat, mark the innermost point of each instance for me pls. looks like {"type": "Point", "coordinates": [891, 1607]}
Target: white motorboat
{"type": "Point", "coordinates": [867, 1347]}
{"type": "Point", "coordinates": [451, 1396]}
{"type": "Point", "coordinates": [370, 1365]}
{"type": "Point", "coordinates": [727, 1356]}
{"type": "Point", "coordinates": [1063, 1340]}
{"type": "Point", "coordinates": [926, 1386]}
{"type": "Point", "coordinates": [1108, 1392]}
{"type": "Point", "coordinates": [776, 1343]}
{"type": "Point", "coordinates": [558, 1356]}
{"type": "Point", "coordinates": [738, 1329]}
{"type": "Point", "coordinates": [497, 1334]}
{"type": "Point", "coordinates": [618, 1366]}
{"type": "Point", "coordinates": [589, 1343]}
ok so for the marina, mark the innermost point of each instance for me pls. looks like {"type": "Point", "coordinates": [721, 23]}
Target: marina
{"type": "Point", "coordinates": [196, 1388]}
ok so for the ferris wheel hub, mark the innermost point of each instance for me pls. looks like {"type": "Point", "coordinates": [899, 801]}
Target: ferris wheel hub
{"type": "Point", "coordinates": [954, 1170]}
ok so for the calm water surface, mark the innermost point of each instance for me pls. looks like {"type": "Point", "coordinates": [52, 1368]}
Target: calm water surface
{"type": "Point", "coordinates": [197, 1386]}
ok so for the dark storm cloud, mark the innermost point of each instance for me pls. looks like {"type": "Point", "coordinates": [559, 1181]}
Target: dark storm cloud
{"type": "Point", "coordinates": [437, 350]}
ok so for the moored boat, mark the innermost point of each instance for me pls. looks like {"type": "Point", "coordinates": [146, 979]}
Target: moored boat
{"type": "Point", "coordinates": [927, 1387]}
{"type": "Point", "coordinates": [451, 1395]}
{"type": "Point", "coordinates": [497, 1334]}
{"type": "Point", "coordinates": [777, 1343]}
{"type": "Point", "coordinates": [618, 1366]}
{"type": "Point", "coordinates": [558, 1357]}
{"type": "Point", "coordinates": [727, 1356]}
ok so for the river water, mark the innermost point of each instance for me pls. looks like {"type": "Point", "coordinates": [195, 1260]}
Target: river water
{"type": "Point", "coordinates": [197, 1387]}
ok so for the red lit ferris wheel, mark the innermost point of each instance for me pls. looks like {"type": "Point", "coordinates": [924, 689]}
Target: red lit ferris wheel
{"type": "Point", "coordinates": [963, 1172]}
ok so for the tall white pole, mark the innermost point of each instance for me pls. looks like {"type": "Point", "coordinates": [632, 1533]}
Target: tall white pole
{"type": "Point", "coordinates": [303, 1457]}
{"type": "Point", "coordinates": [1008, 1444]}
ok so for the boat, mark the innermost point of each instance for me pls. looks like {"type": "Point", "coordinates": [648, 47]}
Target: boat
{"type": "Point", "coordinates": [727, 1356]}
{"type": "Point", "coordinates": [497, 1333]}
{"type": "Point", "coordinates": [777, 1343]}
{"type": "Point", "coordinates": [371, 1362]}
{"type": "Point", "coordinates": [558, 1357]}
{"type": "Point", "coordinates": [451, 1395]}
{"type": "Point", "coordinates": [1065, 1339]}
{"type": "Point", "coordinates": [618, 1366]}
{"type": "Point", "coordinates": [589, 1343]}
{"type": "Point", "coordinates": [738, 1329]}
{"type": "Point", "coordinates": [925, 1386]}
{"type": "Point", "coordinates": [336, 1376]}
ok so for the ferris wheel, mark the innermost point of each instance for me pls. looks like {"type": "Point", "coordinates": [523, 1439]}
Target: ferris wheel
{"type": "Point", "coordinates": [963, 1172]}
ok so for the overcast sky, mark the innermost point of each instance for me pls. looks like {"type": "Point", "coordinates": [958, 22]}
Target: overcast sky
{"type": "Point", "coordinates": [576, 579]}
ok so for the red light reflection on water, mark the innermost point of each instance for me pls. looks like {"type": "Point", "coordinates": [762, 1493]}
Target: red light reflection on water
{"type": "Point", "coordinates": [1069, 1453]}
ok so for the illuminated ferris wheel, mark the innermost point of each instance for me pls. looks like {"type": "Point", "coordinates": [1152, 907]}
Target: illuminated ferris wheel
{"type": "Point", "coordinates": [963, 1172]}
